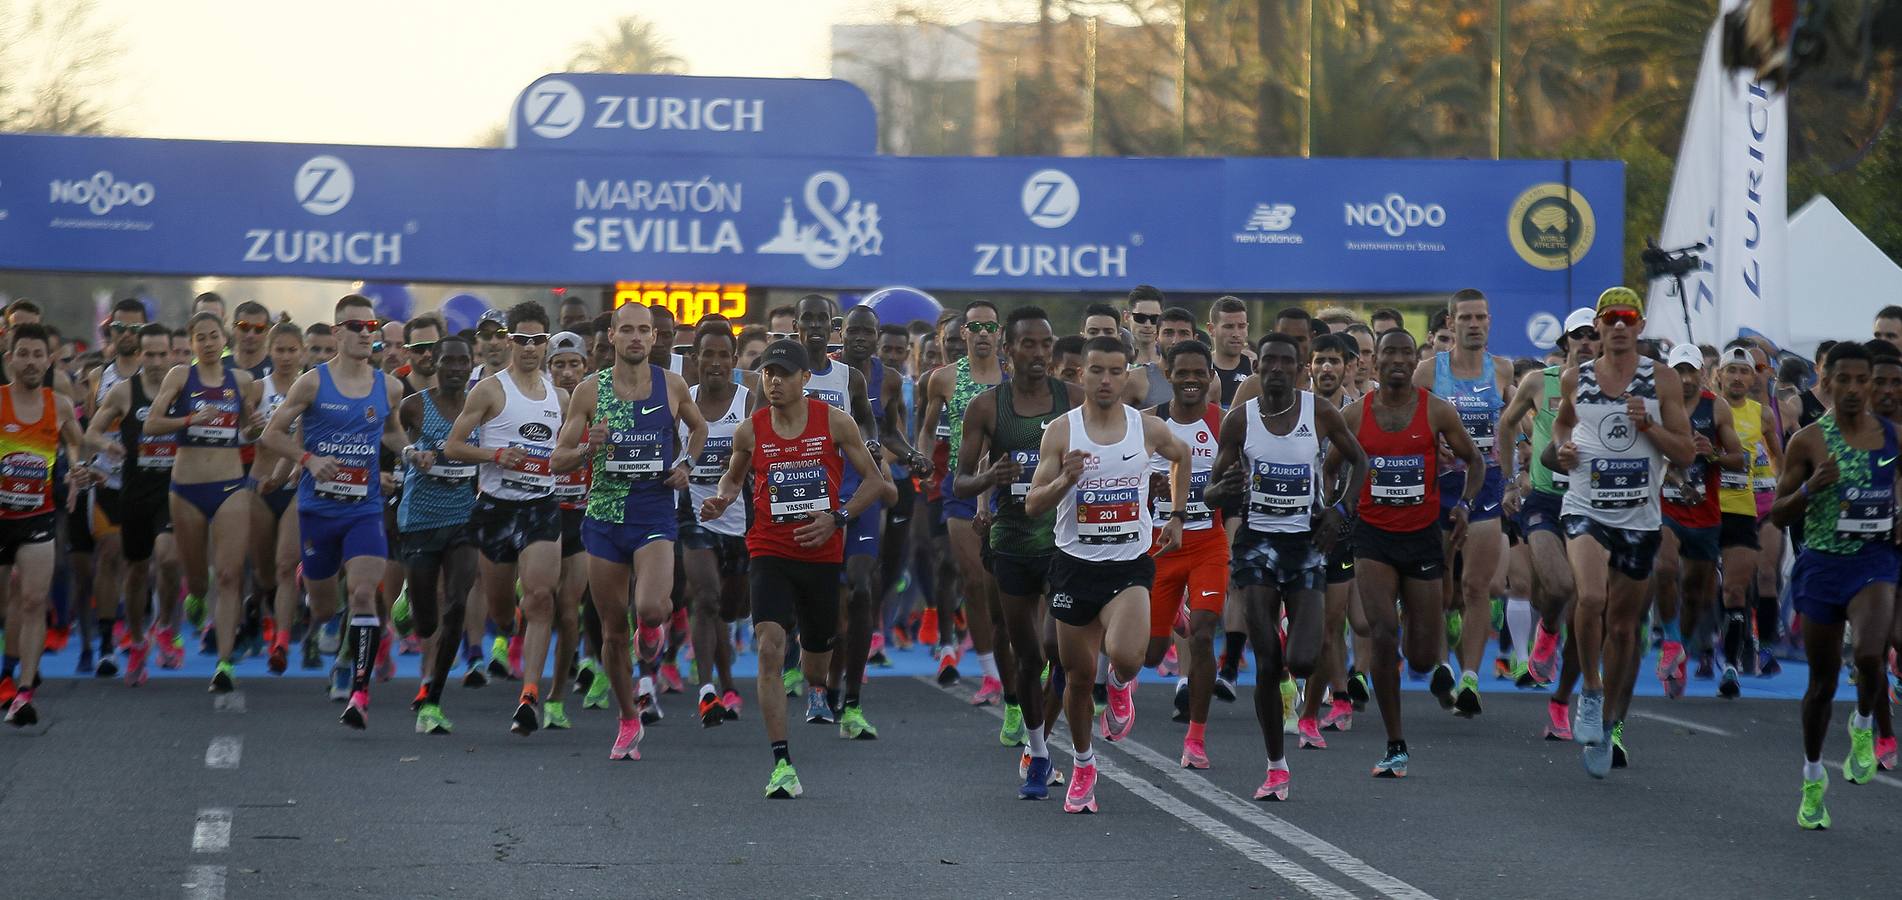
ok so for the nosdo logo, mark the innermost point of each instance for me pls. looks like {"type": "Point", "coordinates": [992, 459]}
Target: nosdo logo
{"type": "Point", "coordinates": [1050, 198]}
{"type": "Point", "coordinates": [324, 185]}
{"type": "Point", "coordinates": [553, 109]}
{"type": "Point", "coordinates": [1394, 215]}
{"type": "Point", "coordinates": [102, 193]}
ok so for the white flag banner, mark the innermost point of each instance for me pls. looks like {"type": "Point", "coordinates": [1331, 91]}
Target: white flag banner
{"type": "Point", "coordinates": [1730, 193]}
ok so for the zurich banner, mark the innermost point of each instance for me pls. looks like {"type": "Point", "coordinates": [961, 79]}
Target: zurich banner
{"type": "Point", "coordinates": [693, 114]}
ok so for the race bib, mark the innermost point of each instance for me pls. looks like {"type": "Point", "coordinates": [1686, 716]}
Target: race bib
{"type": "Point", "coordinates": [572, 485]}
{"type": "Point", "coordinates": [1397, 480]}
{"type": "Point", "coordinates": [1111, 516]}
{"type": "Point", "coordinates": [222, 427]}
{"type": "Point", "coordinates": [1020, 488]}
{"type": "Point", "coordinates": [157, 454]}
{"type": "Point", "coordinates": [1479, 423]}
{"type": "Point", "coordinates": [25, 482]}
{"type": "Point", "coordinates": [458, 472]}
{"type": "Point", "coordinates": [535, 472]}
{"type": "Point", "coordinates": [1279, 489]}
{"type": "Point", "coordinates": [1867, 514]}
{"type": "Point", "coordinates": [635, 454]}
{"type": "Point", "coordinates": [1620, 483]}
{"type": "Point", "coordinates": [1734, 481]}
{"type": "Point", "coordinates": [710, 465]}
{"type": "Point", "coordinates": [943, 431]}
{"type": "Point", "coordinates": [1197, 514]}
{"type": "Point", "coordinates": [350, 484]}
{"type": "Point", "coordinates": [797, 490]}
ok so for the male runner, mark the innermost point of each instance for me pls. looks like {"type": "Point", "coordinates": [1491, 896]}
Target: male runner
{"type": "Point", "coordinates": [122, 331]}
{"type": "Point", "coordinates": [250, 323]}
{"type": "Point", "coordinates": [1739, 534]}
{"type": "Point", "coordinates": [320, 342]}
{"type": "Point", "coordinates": [1332, 357]}
{"type": "Point", "coordinates": [1228, 328]}
{"type": "Point", "coordinates": [438, 497]}
{"type": "Point", "coordinates": [716, 558]}
{"type": "Point", "coordinates": [794, 449]}
{"type": "Point", "coordinates": [567, 366]}
{"type": "Point", "coordinates": [1093, 469]}
{"type": "Point", "coordinates": [1687, 555]}
{"type": "Point", "coordinates": [1143, 317]}
{"type": "Point", "coordinates": [492, 345]}
{"type": "Point", "coordinates": [1888, 326]}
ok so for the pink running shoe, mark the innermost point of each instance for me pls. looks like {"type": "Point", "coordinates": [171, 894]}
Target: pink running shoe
{"type": "Point", "coordinates": [1169, 666]}
{"type": "Point", "coordinates": [385, 663]}
{"type": "Point", "coordinates": [1885, 753]}
{"type": "Point", "coordinates": [647, 642]}
{"type": "Point", "coordinates": [1311, 735]}
{"type": "Point", "coordinates": [357, 713]}
{"type": "Point", "coordinates": [670, 681]}
{"type": "Point", "coordinates": [1081, 797]}
{"type": "Point", "coordinates": [1670, 669]}
{"type": "Point", "coordinates": [1339, 716]}
{"type": "Point", "coordinates": [1275, 786]}
{"type": "Point", "coordinates": [135, 664]}
{"type": "Point", "coordinates": [1195, 754]}
{"type": "Point", "coordinates": [515, 656]}
{"type": "Point", "coordinates": [1558, 726]}
{"type": "Point", "coordinates": [731, 700]}
{"type": "Point", "coordinates": [1119, 716]}
{"type": "Point", "coordinates": [988, 693]}
{"type": "Point", "coordinates": [1545, 655]}
{"type": "Point", "coordinates": [878, 644]}
{"type": "Point", "coordinates": [627, 741]}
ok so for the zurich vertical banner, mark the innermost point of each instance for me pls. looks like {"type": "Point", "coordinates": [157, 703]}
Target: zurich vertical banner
{"type": "Point", "coordinates": [693, 114]}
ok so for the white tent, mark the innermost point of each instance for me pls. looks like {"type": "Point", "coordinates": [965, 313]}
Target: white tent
{"type": "Point", "coordinates": [1838, 278]}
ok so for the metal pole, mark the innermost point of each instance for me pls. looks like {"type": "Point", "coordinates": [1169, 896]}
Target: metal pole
{"type": "Point", "coordinates": [1182, 80]}
{"type": "Point", "coordinates": [1089, 75]}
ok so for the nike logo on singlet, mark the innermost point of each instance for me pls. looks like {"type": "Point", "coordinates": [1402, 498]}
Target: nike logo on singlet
{"type": "Point", "coordinates": [649, 410]}
{"type": "Point", "coordinates": [1128, 456]}
{"type": "Point", "coordinates": [1046, 426]}
{"type": "Point", "coordinates": [1886, 461]}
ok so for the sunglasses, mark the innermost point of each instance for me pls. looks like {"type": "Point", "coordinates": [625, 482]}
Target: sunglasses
{"type": "Point", "coordinates": [359, 326]}
{"type": "Point", "coordinates": [489, 334]}
{"type": "Point", "coordinates": [1620, 316]}
{"type": "Point", "coordinates": [778, 335]}
{"type": "Point", "coordinates": [249, 328]}
{"type": "Point", "coordinates": [1583, 334]}
{"type": "Point", "coordinates": [525, 340]}
{"type": "Point", "coordinates": [1145, 318]}
{"type": "Point", "coordinates": [112, 327]}
{"type": "Point", "coordinates": [975, 327]}
{"type": "Point", "coordinates": [421, 346]}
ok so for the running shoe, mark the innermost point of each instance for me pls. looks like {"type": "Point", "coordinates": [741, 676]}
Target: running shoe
{"type": "Point", "coordinates": [585, 673]}
{"type": "Point", "coordinates": [430, 720]}
{"type": "Point", "coordinates": [1455, 627]}
{"type": "Point", "coordinates": [339, 682]}
{"type": "Point", "coordinates": [989, 692]}
{"type": "Point", "coordinates": [223, 679]}
{"type": "Point", "coordinates": [475, 677]}
{"type": "Point", "coordinates": [1120, 716]}
{"type": "Point", "coordinates": [135, 659]}
{"type": "Point", "coordinates": [1339, 715]}
{"type": "Point", "coordinates": [1357, 691]}
{"type": "Point", "coordinates": [1596, 757]}
{"type": "Point", "coordinates": [515, 656]}
{"type": "Point", "coordinates": [20, 713]}
{"type": "Point", "coordinates": [330, 635]}
{"type": "Point", "coordinates": [1502, 669]}
{"type": "Point", "coordinates": [1704, 666]}
{"type": "Point", "coordinates": [1290, 701]}
{"type": "Point", "coordinates": [1767, 664]}
{"type": "Point", "coordinates": [356, 713]}
{"type": "Point", "coordinates": [1099, 699]}
{"type": "Point", "coordinates": [311, 658]}
{"type": "Point", "coordinates": [1275, 786]}
{"type": "Point", "coordinates": [1394, 764]}
{"type": "Point", "coordinates": [1012, 734]}
{"type": "Point", "coordinates": [107, 668]}
{"type": "Point", "coordinates": [670, 681]}
{"type": "Point", "coordinates": [784, 785]}
{"type": "Point", "coordinates": [1860, 766]}
{"type": "Point", "coordinates": [627, 740]}
{"type": "Point", "coordinates": [648, 642]}
{"type": "Point", "coordinates": [385, 659]}
{"type": "Point", "coordinates": [853, 727]}
{"type": "Point", "coordinates": [8, 689]}
{"type": "Point", "coordinates": [1311, 735]}
{"type": "Point", "coordinates": [280, 660]}
{"type": "Point", "coordinates": [1885, 753]}
{"type": "Point", "coordinates": [1544, 664]}
{"type": "Point", "coordinates": [1224, 689]}
{"type": "Point", "coordinates": [1442, 685]}
{"type": "Point", "coordinates": [876, 655]}
{"type": "Point", "coordinates": [1523, 679]}
{"type": "Point", "coordinates": [947, 667]}
{"type": "Point", "coordinates": [1589, 727]}
{"type": "Point", "coordinates": [526, 719]}
{"type": "Point", "coordinates": [498, 657]}
{"type": "Point", "coordinates": [1168, 667]}
{"type": "Point", "coordinates": [402, 617]}
{"type": "Point", "coordinates": [1812, 814]}
{"type": "Point", "coordinates": [1081, 797]}
{"type": "Point", "coordinates": [421, 699]}
{"type": "Point", "coordinates": [1730, 687]}
{"type": "Point", "coordinates": [195, 611]}
{"type": "Point", "coordinates": [1466, 704]}
{"type": "Point", "coordinates": [711, 712]}
{"type": "Point", "coordinates": [732, 702]}
{"type": "Point", "coordinates": [1619, 759]}
{"type": "Point", "coordinates": [649, 702]}
{"type": "Point", "coordinates": [818, 712]}
{"type": "Point", "coordinates": [1181, 702]}
{"type": "Point", "coordinates": [554, 717]}
{"type": "Point", "coordinates": [792, 680]}
{"type": "Point", "coordinates": [1036, 775]}
{"type": "Point", "coordinates": [1195, 754]}
{"type": "Point", "coordinates": [1558, 726]}
{"type": "Point", "coordinates": [85, 665]}
{"type": "Point", "coordinates": [1671, 669]}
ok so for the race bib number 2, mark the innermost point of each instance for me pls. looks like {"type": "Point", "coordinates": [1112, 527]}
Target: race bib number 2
{"type": "Point", "coordinates": [1397, 480]}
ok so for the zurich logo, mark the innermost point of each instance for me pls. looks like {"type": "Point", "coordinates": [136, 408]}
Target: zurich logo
{"type": "Point", "coordinates": [1050, 198]}
{"type": "Point", "coordinates": [324, 185]}
{"type": "Point", "coordinates": [553, 109]}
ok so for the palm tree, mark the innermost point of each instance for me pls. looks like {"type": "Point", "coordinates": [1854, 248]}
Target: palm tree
{"type": "Point", "coordinates": [630, 45]}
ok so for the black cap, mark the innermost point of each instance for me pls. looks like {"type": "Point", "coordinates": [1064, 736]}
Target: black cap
{"type": "Point", "coordinates": [788, 354]}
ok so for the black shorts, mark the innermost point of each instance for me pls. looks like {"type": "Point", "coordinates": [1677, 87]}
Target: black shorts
{"type": "Point", "coordinates": [142, 519]}
{"type": "Point", "coordinates": [1340, 563]}
{"type": "Point", "coordinates": [504, 528]}
{"type": "Point", "coordinates": [1632, 552]}
{"type": "Point", "coordinates": [571, 531]}
{"type": "Point", "coordinates": [790, 592]}
{"type": "Point", "coordinates": [1289, 561]}
{"type": "Point", "coordinates": [935, 516]}
{"type": "Point", "coordinates": [1738, 530]}
{"type": "Point", "coordinates": [1019, 576]}
{"type": "Point", "coordinates": [109, 504]}
{"type": "Point", "coordinates": [1540, 512]}
{"type": "Point", "coordinates": [900, 512]}
{"type": "Point", "coordinates": [426, 547]}
{"type": "Point", "coordinates": [79, 524]}
{"type": "Point", "coordinates": [17, 533]}
{"type": "Point", "coordinates": [1419, 555]}
{"type": "Point", "coordinates": [728, 549]}
{"type": "Point", "coordinates": [1697, 544]}
{"type": "Point", "coordinates": [1079, 589]}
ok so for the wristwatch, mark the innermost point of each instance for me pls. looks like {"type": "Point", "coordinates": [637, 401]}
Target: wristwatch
{"type": "Point", "coordinates": [838, 518]}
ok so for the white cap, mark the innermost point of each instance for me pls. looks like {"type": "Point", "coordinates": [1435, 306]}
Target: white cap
{"type": "Point", "coordinates": [1580, 318]}
{"type": "Point", "coordinates": [1737, 356]}
{"type": "Point", "coordinates": [1686, 355]}
{"type": "Point", "coordinates": [566, 342]}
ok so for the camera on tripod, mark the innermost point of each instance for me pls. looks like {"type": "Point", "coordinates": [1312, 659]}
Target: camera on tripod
{"type": "Point", "coordinates": [1662, 263]}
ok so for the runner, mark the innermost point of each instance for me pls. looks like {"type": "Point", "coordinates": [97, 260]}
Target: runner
{"type": "Point", "coordinates": [1688, 553]}
{"type": "Point", "coordinates": [1093, 469]}
{"type": "Point", "coordinates": [1738, 532]}
{"type": "Point", "coordinates": [320, 345]}
{"type": "Point", "coordinates": [1294, 506]}
{"type": "Point", "coordinates": [1228, 326]}
{"type": "Point", "coordinates": [793, 448]}
{"type": "Point", "coordinates": [1620, 417]}
{"type": "Point", "coordinates": [274, 547]}
{"type": "Point", "coordinates": [1885, 384]}
{"type": "Point", "coordinates": [1840, 483]}
{"type": "Point", "coordinates": [433, 517]}
{"type": "Point", "coordinates": [121, 331]}
{"type": "Point", "coordinates": [567, 366]}
{"type": "Point", "coordinates": [1150, 386]}
{"type": "Point", "coordinates": [1334, 355]}
{"type": "Point", "coordinates": [715, 558]}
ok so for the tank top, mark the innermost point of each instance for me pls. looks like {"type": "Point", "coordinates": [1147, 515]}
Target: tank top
{"type": "Point", "coordinates": [222, 430]}
{"type": "Point", "coordinates": [1399, 495]}
{"type": "Point", "coordinates": [1619, 468]}
{"type": "Point", "coordinates": [1105, 518]}
{"type": "Point", "coordinates": [1013, 530]}
{"type": "Point", "coordinates": [1701, 471]}
{"type": "Point", "coordinates": [794, 480]}
{"type": "Point", "coordinates": [444, 495]}
{"type": "Point", "coordinates": [1545, 480]}
{"type": "Point", "coordinates": [151, 455]}
{"type": "Point", "coordinates": [1859, 508]}
{"type": "Point", "coordinates": [109, 378]}
{"type": "Point", "coordinates": [350, 429]}
{"type": "Point", "coordinates": [27, 450]}
{"type": "Point", "coordinates": [630, 469]}
{"type": "Point", "coordinates": [834, 388]}
{"type": "Point", "coordinates": [962, 391]}
{"type": "Point", "coordinates": [1283, 469]}
{"type": "Point", "coordinates": [1813, 409]}
{"type": "Point", "coordinates": [1735, 495]}
{"type": "Point", "coordinates": [1159, 390]}
{"type": "Point", "coordinates": [1477, 401]}
{"type": "Point", "coordinates": [527, 425]}
{"type": "Point", "coordinates": [269, 399]}
{"type": "Point", "coordinates": [1231, 379]}
{"type": "Point", "coordinates": [703, 480]}
{"type": "Point", "coordinates": [1199, 436]}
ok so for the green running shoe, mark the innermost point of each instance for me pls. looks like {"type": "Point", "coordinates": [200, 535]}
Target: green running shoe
{"type": "Point", "coordinates": [553, 716]}
{"type": "Point", "coordinates": [1012, 734]}
{"type": "Point", "coordinates": [853, 727]}
{"type": "Point", "coordinates": [793, 680]}
{"type": "Point", "coordinates": [1290, 707]}
{"type": "Point", "coordinates": [1811, 814]}
{"type": "Point", "coordinates": [224, 679]}
{"type": "Point", "coordinates": [1454, 627]}
{"type": "Point", "coordinates": [402, 617]}
{"type": "Point", "coordinates": [784, 785]}
{"type": "Point", "coordinates": [1466, 701]}
{"type": "Point", "coordinates": [499, 648]}
{"type": "Point", "coordinates": [1619, 759]}
{"type": "Point", "coordinates": [195, 611]}
{"type": "Point", "coordinates": [1861, 764]}
{"type": "Point", "coordinates": [597, 696]}
{"type": "Point", "coordinates": [430, 720]}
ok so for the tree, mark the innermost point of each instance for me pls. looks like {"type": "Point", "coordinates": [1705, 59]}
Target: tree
{"type": "Point", "coordinates": [631, 45]}
{"type": "Point", "coordinates": [55, 58]}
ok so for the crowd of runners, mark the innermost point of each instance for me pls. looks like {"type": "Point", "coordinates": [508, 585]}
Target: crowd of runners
{"type": "Point", "coordinates": [574, 506]}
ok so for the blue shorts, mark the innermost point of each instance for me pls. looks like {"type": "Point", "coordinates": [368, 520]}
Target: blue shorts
{"type": "Point", "coordinates": [279, 500]}
{"type": "Point", "coordinates": [1822, 584]}
{"type": "Point", "coordinates": [1541, 512]}
{"type": "Point", "coordinates": [959, 507]}
{"type": "Point", "coordinates": [617, 543]}
{"type": "Point", "coordinates": [329, 541]}
{"type": "Point", "coordinates": [861, 534]}
{"type": "Point", "coordinates": [1488, 505]}
{"type": "Point", "coordinates": [210, 496]}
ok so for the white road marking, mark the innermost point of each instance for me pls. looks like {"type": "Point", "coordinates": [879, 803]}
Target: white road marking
{"type": "Point", "coordinates": [204, 883]}
{"type": "Point", "coordinates": [1681, 723]}
{"type": "Point", "coordinates": [224, 752]}
{"type": "Point", "coordinates": [1892, 782]}
{"type": "Point", "coordinates": [212, 833]}
{"type": "Point", "coordinates": [231, 703]}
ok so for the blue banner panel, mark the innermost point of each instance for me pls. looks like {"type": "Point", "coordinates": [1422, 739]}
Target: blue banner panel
{"type": "Point", "coordinates": [693, 114]}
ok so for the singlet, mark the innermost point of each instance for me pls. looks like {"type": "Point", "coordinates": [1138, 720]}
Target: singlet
{"type": "Point", "coordinates": [1813, 409]}
{"type": "Point", "coordinates": [1545, 480]}
{"type": "Point", "coordinates": [1619, 469]}
{"type": "Point", "coordinates": [1231, 379]}
{"type": "Point", "coordinates": [1159, 390]}
{"type": "Point", "coordinates": [1014, 531]}
{"type": "Point", "coordinates": [27, 450]}
{"type": "Point", "coordinates": [350, 429]}
{"type": "Point", "coordinates": [834, 387]}
{"type": "Point", "coordinates": [222, 430]}
{"type": "Point", "coordinates": [1477, 400]}
{"type": "Point", "coordinates": [794, 480]}
{"type": "Point", "coordinates": [151, 456]}
{"type": "Point", "coordinates": [1701, 471]}
{"type": "Point", "coordinates": [269, 399]}
{"type": "Point", "coordinates": [1860, 507]}
{"type": "Point", "coordinates": [630, 469]}
{"type": "Point", "coordinates": [527, 425]}
{"type": "Point", "coordinates": [109, 378]}
{"type": "Point", "coordinates": [444, 495]}
{"type": "Point", "coordinates": [1199, 436]}
{"type": "Point", "coordinates": [1284, 470]}
{"type": "Point", "coordinates": [1735, 495]}
{"type": "Point", "coordinates": [1399, 495]}
{"type": "Point", "coordinates": [703, 480]}
{"type": "Point", "coordinates": [1105, 518]}
{"type": "Point", "coordinates": [962, 390]}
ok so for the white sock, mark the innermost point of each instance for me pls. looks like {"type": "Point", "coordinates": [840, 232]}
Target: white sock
{"type": "Point", "coordinates": [988, 663]}
{"type": "Point", "coordinates": [1862, 721]}
{"type": "Point", "coordinates": [1083, 757]}
{"type": "Point", "coordinates": [1116, 683]}
{"type": "Point", "coordinates": [1812, 770]}
{"type": "Point", "coordinates": [1038, 748]}
{"type": "Point", "coordinates": [1278, 765]}
{"type": "Point", "coordinates": [945, 650]}
{"type": "Point", "coordinates": [1519, 622]}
